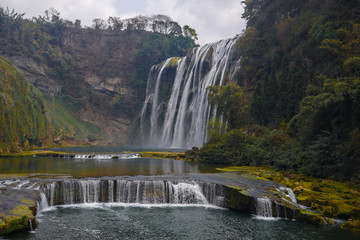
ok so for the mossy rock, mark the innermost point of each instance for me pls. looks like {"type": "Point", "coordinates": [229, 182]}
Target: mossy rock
{"type": "Point", "coordinates": [12, 223]}
{"type": "Point", "coordinates": [312, 217]}
{"type": "Point", "coordinates": [353, 225]}
{"type": "Point", "coordinates": [238, 199]}
{"type": "Point", "coordinates": [355, 213]}
{"type": "Point", "coordinates": [18, 209]}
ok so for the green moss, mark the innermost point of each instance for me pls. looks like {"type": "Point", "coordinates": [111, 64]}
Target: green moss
{"type": "Point", "coordinates": [23, 122]}
{"type": "Point", "coordinates": [18, 218]}
{"type": "Point", "coordinates": [38, 153]}
{"type": "Point", "coordinates": [171, 155]}
{"type": "Point", "coordinates": [174, 62]}
{"type": "Point", "coordinates": [240, 190]}
{"type": "Point", "coordinates": [331, 198]}
{"type": "Point", "coordinates": [353, 225]}
{"type": "Point", "coordinates": [65, 126]}
{"type": "Point", "coordinates": [312, 217]}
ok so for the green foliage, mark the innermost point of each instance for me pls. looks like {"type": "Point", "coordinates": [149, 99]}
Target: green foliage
{"type": "Point", "coordinates": [230, 102]}
{"type": "Point", "coordinates": [42, 40]}
{"type": "Point", "coordinates": [64, 125]}
{"type": "Point", "coordinates": [190, 32]}
{"type": "Point", "coordinates": [216, 130]}
{"type": "Point", "coordinates": [287, 44]}
{"type": "Point", "coordinates": [302, 60]}
{"type": "Point", "coordinates": [23, 122]}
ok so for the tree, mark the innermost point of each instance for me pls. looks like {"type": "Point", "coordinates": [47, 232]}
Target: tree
{"type": "Point", "coordinates": [116, 23]}
{"type": "Point", "coordinates": [99, 24]}
{"type": "Point", "coordinates": [230, 101]}
{"type": "Point", "coordinates": [190, 32]}
{"type": "Point", "coordinates": [77, 23]}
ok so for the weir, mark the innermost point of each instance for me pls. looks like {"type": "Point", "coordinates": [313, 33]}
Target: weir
{"type": "Point", "coordinates": [133, 191]}
{"type": "Point", "coordinates": [179, 119]}
{"type": "Point", "coordinates": [219, 190]}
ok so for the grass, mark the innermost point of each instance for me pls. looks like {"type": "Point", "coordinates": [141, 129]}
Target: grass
{"type": "Point", "coordinates": [64, 123]}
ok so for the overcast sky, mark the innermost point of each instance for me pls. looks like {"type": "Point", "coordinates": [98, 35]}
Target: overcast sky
{"type": "Point", "coordinates": [212, 19]}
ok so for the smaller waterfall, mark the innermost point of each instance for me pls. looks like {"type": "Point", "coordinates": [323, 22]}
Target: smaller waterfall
{"type": "Point", "coordinates": [264, 207]}
{"type": "Point", "coordinates": [288, 194]}
{"type": "Point", "coordinates": [103, 156]}
{"type": "Point", "coordinates": [30, 225]}
{"type": "Point", "coordinates": [43, 202]}
{"type": "Point", "coordinates": [134, 191]}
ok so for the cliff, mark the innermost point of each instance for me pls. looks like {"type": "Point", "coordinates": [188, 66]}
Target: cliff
{"type": "Point", "coordinates": [95, 78]}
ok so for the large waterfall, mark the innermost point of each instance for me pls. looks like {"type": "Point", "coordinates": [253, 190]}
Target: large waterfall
{"type": "Point", "coordinates": [176, 109]}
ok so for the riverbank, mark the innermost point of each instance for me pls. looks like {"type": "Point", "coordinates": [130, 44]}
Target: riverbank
{"type": "Point", "coordinates": [171, 155]}
{"type": "Point", "coordinates": [334, 199]}
{"type": "Point", "coordinates": [49, 153]}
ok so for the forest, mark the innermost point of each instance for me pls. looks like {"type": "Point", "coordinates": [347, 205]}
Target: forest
{"type": "Point", "coordinates": [302, 59]}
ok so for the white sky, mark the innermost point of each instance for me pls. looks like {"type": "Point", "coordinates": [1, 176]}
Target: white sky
{"type": "Point", "coordinates": [212, 19]}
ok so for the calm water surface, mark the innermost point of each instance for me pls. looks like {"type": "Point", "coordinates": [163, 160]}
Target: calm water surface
{"type": "Point", "coordinates": [101, 167]}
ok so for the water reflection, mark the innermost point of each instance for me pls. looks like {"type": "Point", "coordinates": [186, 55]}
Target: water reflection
{"type": "Point", "coordinates": [101, 167]}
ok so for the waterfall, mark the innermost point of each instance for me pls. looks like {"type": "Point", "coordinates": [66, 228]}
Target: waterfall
{"type": "Point", "coordinates": [288, 193]}
{"type": "Point", "coordinates": [264, 207]}
{"type": "Point", "coordinates": [30, 225]}
{"type": "Point", "coordinates": [43, 202]}
{"type": "Point", "coordinates": [104, 156]}
{"type": "Point", "coordinates": [134, 191]}
{"type": "Point", "coordinates": [179, 119]}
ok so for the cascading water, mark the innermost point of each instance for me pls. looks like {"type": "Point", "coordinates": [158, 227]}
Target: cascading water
{"type": "Point", "coordinates": [183, 122]}
{"type": "Point", "coordinates": [135, 191]}
{"type": "Point", "coordinates": [264, 207]}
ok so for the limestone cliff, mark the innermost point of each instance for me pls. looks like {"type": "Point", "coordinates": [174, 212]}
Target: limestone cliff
{"type": "Point", "coordinates": [88, 75]}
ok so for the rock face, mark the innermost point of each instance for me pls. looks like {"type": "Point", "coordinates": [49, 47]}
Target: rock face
{"type": "Point", "coordinates": [36, 75]}
{"type": "Point", "coordinates": [18, 209]}
{"type": "Point", "coordinates": [99, 87]}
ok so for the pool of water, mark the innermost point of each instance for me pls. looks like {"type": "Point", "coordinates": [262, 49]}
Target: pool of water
{"type": "Point", "coordinates": [101, 167]}
{"type": "Point", "coordinates": [133, 222]}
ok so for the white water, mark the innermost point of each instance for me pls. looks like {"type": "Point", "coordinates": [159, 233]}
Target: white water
{"type": "Point", "coordinates": [264, 207]}
{"type": "Point", "coordinates": [288, 193]}
{"type": "Point", "coordinates": [184, 122]}
{"type": "Point", "coordinates": [158, 192]}
{"type": "Point", "coordinates": [30, 225]}
{"type": "Point", "coordinates": [107, 156]}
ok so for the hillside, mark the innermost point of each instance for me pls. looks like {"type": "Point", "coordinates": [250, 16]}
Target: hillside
{"type": "Point", "coordinates": [300, 78]}
{"type": "Point", "coordinates": [98, 74]}
{"type": "Point", "coordinates": [23, 121]}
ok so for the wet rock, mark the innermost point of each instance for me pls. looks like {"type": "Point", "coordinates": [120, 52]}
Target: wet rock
{"type": "Point", "coordinates": [17, 209]}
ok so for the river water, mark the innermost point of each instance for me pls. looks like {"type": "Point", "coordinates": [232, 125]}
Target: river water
{"type": "Point", "coordinates": [149, 221]}
{"type": "Point", "coordinates": [104, 221]}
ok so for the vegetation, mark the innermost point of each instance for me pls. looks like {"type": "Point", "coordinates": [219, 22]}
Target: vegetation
{"type": "Point", "coordinates": [171, 155]}
{"type": "Point", "coordinates": [65, 126]}
{"type": "Point", "coordinates": [334, 199]}
{"type": "Point", "coordinates": [302, 58]}
{"type": "Point", "coordinates": [23, 123]}
{"type": "Point", "coordinates": [41, 39]}
{"type": "Point", "coordinates": [148, 41]}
